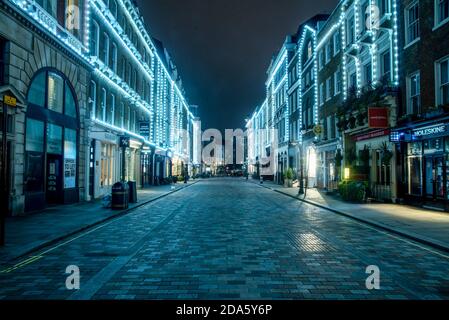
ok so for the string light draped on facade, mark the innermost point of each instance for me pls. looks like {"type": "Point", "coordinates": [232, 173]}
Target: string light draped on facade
{"type": "Point", "coordinates": [130, 118]}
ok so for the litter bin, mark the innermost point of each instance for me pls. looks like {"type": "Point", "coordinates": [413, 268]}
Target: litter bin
{"type": "Point", "coordinates": [120, 196]}
{"type": "Point", "coordinates": [132, 191]}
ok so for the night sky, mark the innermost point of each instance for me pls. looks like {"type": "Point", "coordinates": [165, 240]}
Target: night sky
{"type": "Point", "coordinates": [223, 48]}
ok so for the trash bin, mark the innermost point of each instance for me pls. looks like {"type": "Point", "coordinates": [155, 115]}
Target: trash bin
{"type": "Point", "coordinates": [120, 196]}
{"type": "Point", "coordinates": [132, 191]}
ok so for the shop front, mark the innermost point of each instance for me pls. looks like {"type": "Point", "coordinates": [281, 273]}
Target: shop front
{"type": "Point", "coordinates": [51, 142]}
{"type": "Point", "coordinates": [147, 166]}
{"type": "Point", "coordinates": [160, 166]}
{"type": "Point", "coordinates": [326, 168]}
{"type": "Point", "coordinates": [178, 168]}
{"type": "Point", "coordinates": [104, 163]}
{"type": "Point", "coordinates": [374, 163]}
{"type": "Point", "coordinates": [425, 164]}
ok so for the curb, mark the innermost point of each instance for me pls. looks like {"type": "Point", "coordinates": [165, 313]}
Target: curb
{"type": "Point", "coordinates": [118, 214]}
{"type": "Point", "coordinates": [420, 239]}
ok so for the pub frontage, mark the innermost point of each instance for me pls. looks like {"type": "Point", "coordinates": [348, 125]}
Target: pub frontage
{"type": "Point", "coordinates": [424, 163]}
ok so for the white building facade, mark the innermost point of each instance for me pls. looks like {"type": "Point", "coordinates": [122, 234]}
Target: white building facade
{"type": "Point", "coordinates": [98, 101]}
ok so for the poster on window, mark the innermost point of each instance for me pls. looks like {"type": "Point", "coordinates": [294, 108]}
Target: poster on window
{"type": "Point", "coordinates": [69, 173]}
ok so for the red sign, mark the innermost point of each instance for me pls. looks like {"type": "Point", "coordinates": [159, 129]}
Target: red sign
{"type": "Point", "coordinates": [378, 118]}
{"type": "Point", "coordinates": [372, 135]}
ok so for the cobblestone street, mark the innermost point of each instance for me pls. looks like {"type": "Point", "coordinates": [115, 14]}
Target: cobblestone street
{"type": "Point", "coordinates": [230, 239]}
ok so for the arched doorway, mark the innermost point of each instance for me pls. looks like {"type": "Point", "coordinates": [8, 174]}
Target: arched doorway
{"type": "Point", "coordinates": [51, 142]}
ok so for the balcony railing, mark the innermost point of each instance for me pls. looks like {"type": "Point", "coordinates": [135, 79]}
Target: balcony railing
{"type": "Point", "coordinates": [33, 10]}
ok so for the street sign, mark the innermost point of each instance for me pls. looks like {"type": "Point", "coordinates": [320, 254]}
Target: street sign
{"type": "Point", "coordinates": [10, 101]}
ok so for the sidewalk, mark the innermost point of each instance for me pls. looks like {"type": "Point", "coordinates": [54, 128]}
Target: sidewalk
{"type": "Point", "coordinates": [421, 225]}
{"type": "Point", "coordinates": [33, 232]}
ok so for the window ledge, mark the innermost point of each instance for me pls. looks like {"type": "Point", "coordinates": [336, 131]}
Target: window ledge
{"type": "Point", "coordinates": [439, 25]}
{"type": "Point", "coordinates": [412, 43]}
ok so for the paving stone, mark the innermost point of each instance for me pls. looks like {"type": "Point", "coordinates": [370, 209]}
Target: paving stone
{"type": "Point", "coordinates": [229, 239]}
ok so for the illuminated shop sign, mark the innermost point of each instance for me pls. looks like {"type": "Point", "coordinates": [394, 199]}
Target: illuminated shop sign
{"type": "Point", "coordinates": [435, 131]}
{"type": "Point", "coordinates": [431, 131]}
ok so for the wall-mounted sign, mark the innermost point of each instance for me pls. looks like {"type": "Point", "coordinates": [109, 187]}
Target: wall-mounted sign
{"type": "Point", "coordinates": [144, 129]}
{"type": "Point", "coordinates": [372, 135]}
{"type": "Point", "coordinates": [69, 173]}
{"type": "Point", "coordinates": [431, 131]}
{"type": "Point", "coordinates": [378, 118]}
{"type": "Point", "coordinates": [10, 101]}
{"type": "Point", "coordinates": [318, 130]}
{"type": "Point", "coordinates": [124, 142]}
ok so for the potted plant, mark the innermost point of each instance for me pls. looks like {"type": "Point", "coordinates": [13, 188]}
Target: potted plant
{"type": "Point", "coordinates": [288, 178]}
{"type": "Point", "coordinates": [351, 122]}
{"type": "Point", "coordinates": [387, 155]}
{"type": "Point", "coordinates": [338, 159]}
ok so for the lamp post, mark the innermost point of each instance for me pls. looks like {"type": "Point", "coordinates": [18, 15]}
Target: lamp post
{"type": "Point", "coordinates": [301, 168]}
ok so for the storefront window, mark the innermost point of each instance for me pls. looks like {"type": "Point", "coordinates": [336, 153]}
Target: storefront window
{"type": "Point", "coordinates": [415, 149]}
{"type": "Point", "coordinates": [69, 159]}
{"type": "Point", "coordinates": [54, 139]}
{"type": "Point", "coordinates": [415, 176]}
{"type": "Point", "coordinates": [447, 175]}
{"type": "Point", "coordinates": [433, 146]}
{"type": "Point", "coordinates": [35, 136]}
{"type": "Point", "coordinates": [383, 171]}
{"type": "Point", "coordinates": [51, 139]}
{"type": "Point", "coordinates": [34, 172]}
{"type": "Point", "coordinates": [130, 165]}
{"type": "Point", "coordinates": [36, 94]}
{"type": "Point", "coordinates": [55, 92]}
{"type": "Point", "coordinates": [70, 106]}
{"type": "Point", "coordinates": [107, 164]}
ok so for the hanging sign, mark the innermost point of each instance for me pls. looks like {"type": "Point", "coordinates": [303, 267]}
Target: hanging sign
{"type": "Point", "coordinates": [318, 130]}
{"type": "Point", "coordinates": [144, 129]}
{"type": "Point", "coordinates": [378, 118]}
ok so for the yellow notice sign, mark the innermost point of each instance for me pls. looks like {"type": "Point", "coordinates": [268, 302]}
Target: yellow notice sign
{"type": "Point", "coordinates": [10, 101]}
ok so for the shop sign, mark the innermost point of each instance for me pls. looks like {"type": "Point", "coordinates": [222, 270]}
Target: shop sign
{"type": "Point", "coordinates": [318, 130]}
{"type": "Point", "coordinates": [124, 142]}
{"type": "Point", "coordinates": [10, 101]}
{"type": "Point", "coordinates": [432, 131]}
{"type": "Point", "coordinates": [372, 135]}
{"type": "Point", "coordinates": [144, 129]}
{"type": "Point", "coordinates": [378, 118]}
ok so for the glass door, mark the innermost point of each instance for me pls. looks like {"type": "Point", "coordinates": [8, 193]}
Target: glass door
{"type": "Point", "coordinates": [435, 177]}
{"type": "Point", "coordinates": [54, 179]}
{"type": "Point", "coordinates": [439, 177]}
{"type": "Point", "coordinates": [429, 177]}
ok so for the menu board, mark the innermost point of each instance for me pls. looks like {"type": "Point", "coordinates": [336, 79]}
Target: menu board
{"type": "Point", "coordinates": [69, 173]}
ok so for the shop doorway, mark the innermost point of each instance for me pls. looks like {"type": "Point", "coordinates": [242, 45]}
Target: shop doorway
{"type": "Point", "coordinates": [8, 170]}
{"type": "Point", "coordinates": [54, 179]}
{"type": "Point", "coordinates": [435, 178]}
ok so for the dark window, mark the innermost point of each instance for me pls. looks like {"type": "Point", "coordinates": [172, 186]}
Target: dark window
{"type": "Point", "coordinates": [2, 60]}
{"type": "Point", "coordinates": [50, 90]}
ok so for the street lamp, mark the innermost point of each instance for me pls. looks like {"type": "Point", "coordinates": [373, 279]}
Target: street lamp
{"type": "Point", "coordinates": [301, 178]}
